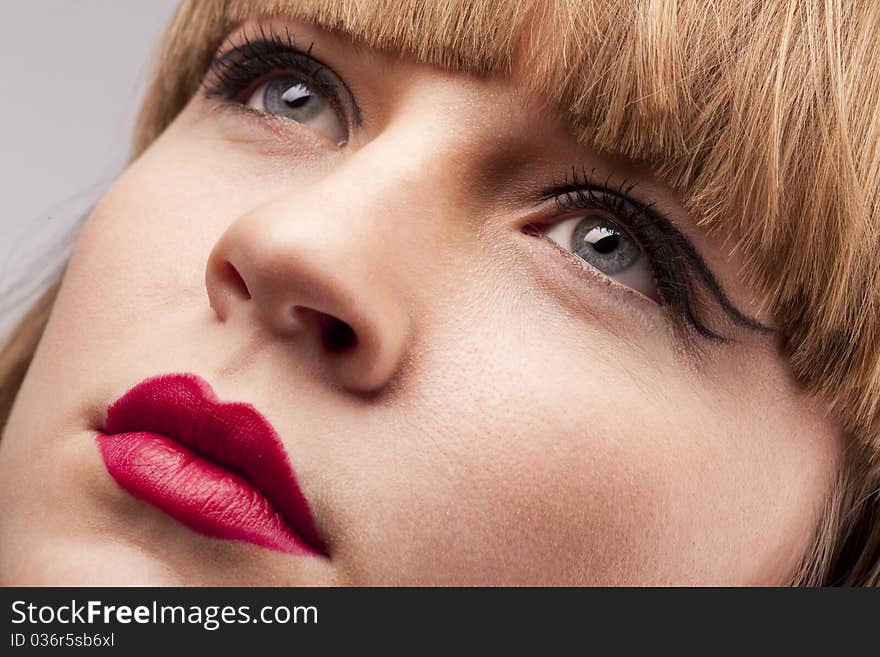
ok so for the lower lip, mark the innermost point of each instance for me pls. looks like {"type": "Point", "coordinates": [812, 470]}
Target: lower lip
{"type": "Point", "coordinates": [200, 494]}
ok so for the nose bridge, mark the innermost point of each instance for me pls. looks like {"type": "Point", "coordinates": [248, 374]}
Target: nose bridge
{"type": "Point", "coordinates": [439, 138]}
{"type": "Point", "coordinates": [417, 176]}
{"type": "Point", "coordinates": [367, 213]}
{"type": "Point", "coordinates": [403, 178]}
{"type": "Point", "coordinates": [381, 209]}
{"type": "Point", "coordinates": [379, 199]}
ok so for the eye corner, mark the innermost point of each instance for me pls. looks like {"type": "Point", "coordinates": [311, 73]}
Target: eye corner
{"type": "Point", "coordinates": [533, 229]}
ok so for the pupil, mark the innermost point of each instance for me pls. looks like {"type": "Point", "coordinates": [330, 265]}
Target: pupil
{"type": "Point", "coordinates": [296, 96]}
{"type": "Point", "coordinates": [607, 244]}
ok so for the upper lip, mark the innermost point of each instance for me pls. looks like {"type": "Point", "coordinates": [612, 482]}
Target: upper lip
{"type": "Point", "coordinates": [232, 434]}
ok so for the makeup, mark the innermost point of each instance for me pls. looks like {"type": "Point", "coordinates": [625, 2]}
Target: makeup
{"type": "Point", "coordinates": [262, 54]}
{"type": "Point", "coordinates": [678, 268]}
{"type": "Point", "coordinates": [217, 467]}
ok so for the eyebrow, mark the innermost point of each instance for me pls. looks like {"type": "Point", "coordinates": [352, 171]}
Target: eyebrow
{"type": "Point", "coordinates": [684, 246]}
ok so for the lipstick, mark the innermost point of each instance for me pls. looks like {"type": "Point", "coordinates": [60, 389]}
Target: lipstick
{"type": "Point", "coordinates": [217, 467]}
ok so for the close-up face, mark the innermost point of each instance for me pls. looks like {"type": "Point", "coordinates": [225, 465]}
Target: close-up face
{"type": "Point", "coordinates": [409, 330]}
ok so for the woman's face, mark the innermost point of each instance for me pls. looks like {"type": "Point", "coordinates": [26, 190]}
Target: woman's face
{"type": "Point", "coordinates": [485, 349]}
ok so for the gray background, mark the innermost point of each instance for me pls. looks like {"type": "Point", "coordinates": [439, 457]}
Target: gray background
{"type": "Point", "coordinates": [73, 73]}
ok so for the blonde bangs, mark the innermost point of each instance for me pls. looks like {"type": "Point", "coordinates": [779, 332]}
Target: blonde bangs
{"type": "Point", "coordinates": [761, 114]}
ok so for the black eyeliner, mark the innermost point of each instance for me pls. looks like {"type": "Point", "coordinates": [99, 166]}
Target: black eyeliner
{"type": "Point", "coordinates": [234, 69]}
{"type": "Point", "coordinates": [672, 256]}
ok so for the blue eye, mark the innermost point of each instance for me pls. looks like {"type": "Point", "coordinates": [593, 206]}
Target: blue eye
{"type": "Point", "coordinates": [608, 247]}
{"type": "Point", "coordinates": [267, 73]}
{"type": "Point", "coordinates": [290, 97]}
{"type": "Point", "coordinates": [604, 245]}
{"type": "Point", "coordinates": [293, 99]}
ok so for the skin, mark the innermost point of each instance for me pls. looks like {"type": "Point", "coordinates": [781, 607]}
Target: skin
{"type": "Point", "coordinates": [508, 415]}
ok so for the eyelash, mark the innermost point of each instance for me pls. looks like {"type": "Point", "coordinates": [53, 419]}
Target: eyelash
{"type": "Point", "coordinates": [673, 260]}
{"type": "Point", "coordinates": [237, 70]}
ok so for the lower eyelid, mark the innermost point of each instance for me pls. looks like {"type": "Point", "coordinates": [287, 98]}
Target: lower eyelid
{"type": "Point", "coordinates": [587, 269]}
{"type": "Point", "coordinates": [572, 273]}
{"type": "Point", "coordinates": [241, 124]}
{"type": "Point", "coordinates": [588, 296]}
{"type": "Point", "coordinates": [538, 231]}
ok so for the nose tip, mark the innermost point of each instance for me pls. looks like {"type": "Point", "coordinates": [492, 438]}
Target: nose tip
{"type": "Point", "coordinates": [354, 324]}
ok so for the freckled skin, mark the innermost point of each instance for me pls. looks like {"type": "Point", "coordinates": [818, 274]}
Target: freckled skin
{"type": "Point", "coordinates": [502, 417]}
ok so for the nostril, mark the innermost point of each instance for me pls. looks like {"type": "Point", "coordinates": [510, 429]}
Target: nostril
{"type": "Point", "coordinates": [235, 280]}
{"type": "Point", "coordinates": [336, 335]}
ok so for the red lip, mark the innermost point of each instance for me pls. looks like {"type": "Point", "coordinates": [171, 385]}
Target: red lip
{"type": "Point", "coordinates": [217, 467]}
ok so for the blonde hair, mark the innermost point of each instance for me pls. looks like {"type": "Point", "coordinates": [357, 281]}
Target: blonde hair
{"type": "Point", "coordinates": [761, 114]}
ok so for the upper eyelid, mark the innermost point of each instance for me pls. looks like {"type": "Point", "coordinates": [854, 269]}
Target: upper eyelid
{"type": "Point", "coordinates": [558, 193]}
{"type": "Point", "coordinates": [244, 36]}
{"type": "Point", "coordinates": [250, 39]}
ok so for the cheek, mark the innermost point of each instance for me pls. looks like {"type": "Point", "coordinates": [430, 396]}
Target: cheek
{"type": "Point", "coordinates": [140, 260]}
{"type": "Point", "coordinates": [504, 482]}
{"type": "Point", "coordinates": [137, 259]}
{"type": "Point", "coordinates": [511, 462]}
{"type": "Point", "coordinates": [137, 272]}
{"type": "Point", "coordinates": [525, 460]}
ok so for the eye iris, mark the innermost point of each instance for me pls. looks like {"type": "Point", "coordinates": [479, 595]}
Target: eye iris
{"type": "Point", "coordinates": [601, 243]}
{"type": "Point", "coordinates": [293, 99]}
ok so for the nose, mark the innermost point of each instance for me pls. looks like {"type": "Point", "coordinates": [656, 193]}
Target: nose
{"type": "Point", "coordinates": [317, 273]}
